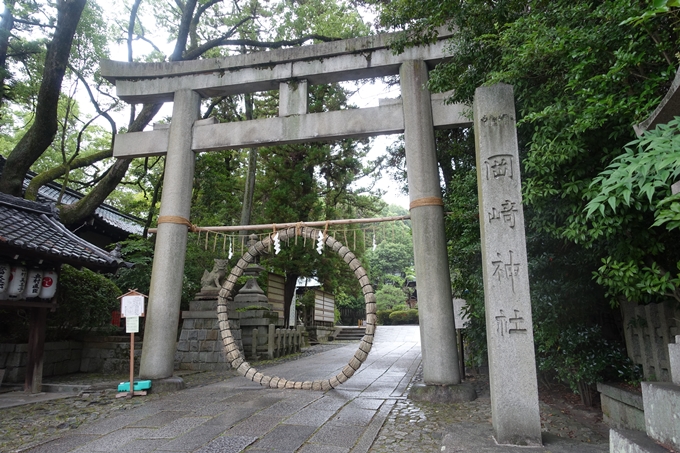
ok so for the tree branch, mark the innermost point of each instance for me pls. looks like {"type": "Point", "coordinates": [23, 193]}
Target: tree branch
{"type": "Point", "coordinates": [57, 172]}
{"type": "Point", "coordinates": [224, 41]}
{"type": "Point", "coordinates": [183, 31]}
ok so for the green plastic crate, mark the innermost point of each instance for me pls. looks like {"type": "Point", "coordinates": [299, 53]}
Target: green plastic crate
{"type": "Point", "coordinates": [139, 385]}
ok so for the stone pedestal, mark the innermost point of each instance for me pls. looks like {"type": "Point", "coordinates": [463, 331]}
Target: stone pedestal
{"type": "Point", "coordinates": [200, 342]}
{"type": "Point", "coordinates": [661, 401]}
{"type": "Point", "coordinates": [621, 408]}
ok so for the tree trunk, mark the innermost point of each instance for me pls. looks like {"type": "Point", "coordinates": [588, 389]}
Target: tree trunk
{"type": "Point", "coordinates": [53, 173]}
{"type": "Point", "coordinates": [36, 140]}
{"type": "Point", "coordinates": [6, 25]}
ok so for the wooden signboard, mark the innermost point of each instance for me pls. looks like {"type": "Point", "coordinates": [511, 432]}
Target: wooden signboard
{"type": "Point", "coordinates": [132, 308]}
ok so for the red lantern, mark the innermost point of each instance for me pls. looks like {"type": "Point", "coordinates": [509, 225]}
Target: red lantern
{"type": "Point", "coordinates": [49, 285]}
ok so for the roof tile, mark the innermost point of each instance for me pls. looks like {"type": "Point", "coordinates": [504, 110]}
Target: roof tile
{"type": "Point", "coordinates": [35, 226]}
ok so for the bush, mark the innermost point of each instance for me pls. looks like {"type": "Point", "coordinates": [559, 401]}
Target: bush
{"type": "Point", "coordinates": [584, 357]}
{"type": "Point", "coordinates": [384, 317]}
{"type": "Point", "coordinates": [404, 316]}
{"type": "Point", "coordinates": [86, 300]}
{"type": "Point", "coordinates": [388, 296]}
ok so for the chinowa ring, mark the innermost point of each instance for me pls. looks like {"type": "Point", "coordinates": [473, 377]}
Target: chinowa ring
{"type": "Point", "coordinates": [235, 357]}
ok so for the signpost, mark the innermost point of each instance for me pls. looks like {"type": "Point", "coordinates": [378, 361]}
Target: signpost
{"type": "Point", "coordinates": [132, 308]}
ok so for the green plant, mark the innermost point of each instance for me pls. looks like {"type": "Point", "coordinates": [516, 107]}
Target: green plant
{"type": "Point", "coordinates": [389, 296]}
{"type": "Point", "coordinates": [86, 300]}
{"type": "Point", "coordinates": [582, 356]}
{"type": "Point", "coordinates": [404, 316]}
{"type": "Point", "coordinates": [384, 317]}
{"type": "Point", "coordinates": [641, 177]}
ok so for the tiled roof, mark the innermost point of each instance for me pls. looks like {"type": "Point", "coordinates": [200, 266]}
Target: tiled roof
{"type": "Point", "coordinates": [50, 192]}
{"type": "Point", "coordinates": [34, 228]}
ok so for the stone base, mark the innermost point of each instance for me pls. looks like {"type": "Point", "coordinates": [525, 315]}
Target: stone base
{"type": "Point", "coordinates": [662, 412]}
{"type": "Point", "coordinates": [630, 441]}
{"type": "Point", "coordinates": [318, 334]}
{"type": "Point", "coordinates": [621, 408]}
{"type": "Point", "coordinates": [442, 393]}
{"type": "Point", "coordinates": [171, 384]}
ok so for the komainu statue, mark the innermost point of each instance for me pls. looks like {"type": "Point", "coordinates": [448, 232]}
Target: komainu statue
{"type": "Point", "coordinates": [214, 278]}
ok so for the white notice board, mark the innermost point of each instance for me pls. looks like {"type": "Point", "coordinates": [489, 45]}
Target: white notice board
{"type": "Point", "coordinates": [132, 306]}
{"type": "Point", "coordinates": [132, 324]}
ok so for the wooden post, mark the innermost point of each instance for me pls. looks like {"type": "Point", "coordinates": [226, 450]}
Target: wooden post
{"type": "Point", "coordinates": [132, 365]}
{"type": "Point", "coordinates": [36, 345]}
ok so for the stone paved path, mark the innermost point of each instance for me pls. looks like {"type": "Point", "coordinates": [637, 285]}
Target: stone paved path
{"type": "Point", "coordinates": [368, 413]}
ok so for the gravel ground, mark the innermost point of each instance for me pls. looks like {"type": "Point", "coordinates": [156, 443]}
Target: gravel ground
{"type": "Point", "coordinates": [420, 426]}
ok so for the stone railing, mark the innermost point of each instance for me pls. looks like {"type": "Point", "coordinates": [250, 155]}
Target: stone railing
{"type": "Point", "coordinates": [648, 331]}
{"type": "Point", "coordinates": [276, 342]}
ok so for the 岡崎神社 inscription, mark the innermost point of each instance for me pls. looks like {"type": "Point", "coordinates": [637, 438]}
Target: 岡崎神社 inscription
{"type": "Point", "coordinates": [512, 365]}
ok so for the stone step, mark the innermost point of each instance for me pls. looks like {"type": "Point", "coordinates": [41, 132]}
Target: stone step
{"type": "Point", "coordinates": [630, 441]}
{"type": "Point", "coordinates": [350, 333]}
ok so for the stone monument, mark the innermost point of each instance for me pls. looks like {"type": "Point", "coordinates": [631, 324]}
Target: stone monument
{"type": "Point", "coordinates": [509, 332]}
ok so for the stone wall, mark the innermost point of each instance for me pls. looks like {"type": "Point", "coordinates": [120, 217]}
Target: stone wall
{"type": "Point", "coordinates": [109, 355]}
{"type": "Point", "coordinates": [96, 355]}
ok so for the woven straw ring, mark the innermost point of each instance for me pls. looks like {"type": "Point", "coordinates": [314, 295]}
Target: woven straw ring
{"type": "Point", "coordinates": [235, 357]}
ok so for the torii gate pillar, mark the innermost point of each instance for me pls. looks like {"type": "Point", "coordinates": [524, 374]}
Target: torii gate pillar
{"type": "Point", "coordinates": [437, 331]}
{"type": "Point", "coordinates": [171, 242]}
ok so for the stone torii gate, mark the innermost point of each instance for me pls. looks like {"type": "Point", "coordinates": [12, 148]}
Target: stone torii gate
{"type": "Point", "coordinates": [416, 114]}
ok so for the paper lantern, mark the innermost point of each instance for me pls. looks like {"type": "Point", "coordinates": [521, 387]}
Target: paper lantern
{"type": "Point", "coordinates": [17, 281]}
{"type": "Point", "coordinates": [4, 277]}
{"type": "Point", "coordinates": [33, 283]}
{"type": "Point", "coordinates": [49, 285]}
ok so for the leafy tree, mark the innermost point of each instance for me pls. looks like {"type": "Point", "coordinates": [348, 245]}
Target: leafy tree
{"type": "Point", "coordinates": [389, 296]}
{"type": "Point", "coordinates": [635, 185]}
{"type": "Point", "coordinates": [201, 29]}
{"type": "Point", "coordinates": [582, 74]}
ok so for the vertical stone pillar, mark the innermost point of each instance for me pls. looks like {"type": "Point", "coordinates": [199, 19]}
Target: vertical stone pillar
{"type": "Point", "coordinates": [162, 314]}
{"type": "Point", "coordinates": [36, 350]}
{"type": "Point", "coordinates": [293, 98]}
{"type": "Point", "coordinates": [437, 331]}
{"type": "Point", "coordinates": [509, 331]}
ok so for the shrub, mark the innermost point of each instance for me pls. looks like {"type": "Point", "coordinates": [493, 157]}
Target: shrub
{"type": "Point", "coordinates": [388, 296]}
{"type": "Point", "coordinates": [384, 317]}
{"type": "Point", "coordinates": [404, 316]}
{"type": "Point", "coordinates": [86, 300]}
{"type": "Point", "coordinates": [584, 357]}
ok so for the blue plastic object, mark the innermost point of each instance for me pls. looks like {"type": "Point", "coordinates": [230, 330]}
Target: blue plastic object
{"type": "Point", "coordinates": [138, 386]}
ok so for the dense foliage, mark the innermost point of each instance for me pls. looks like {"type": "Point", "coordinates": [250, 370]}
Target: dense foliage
{"type": "Point", "coordinates": [583, 73]}
{"type": "Point", "coordinates": [86, 300]}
